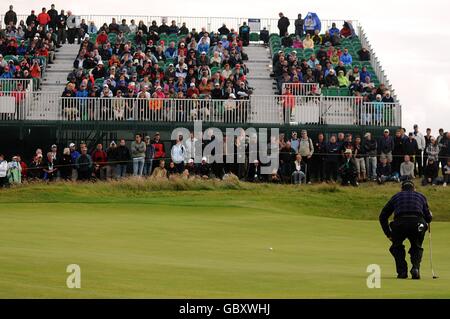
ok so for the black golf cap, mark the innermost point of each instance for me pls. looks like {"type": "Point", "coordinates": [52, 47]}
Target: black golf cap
{"type": "Point", "coordinates": [407, 185]}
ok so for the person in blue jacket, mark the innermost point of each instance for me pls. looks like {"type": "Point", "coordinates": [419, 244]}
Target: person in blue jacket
{"type": "Point", "coordinates": [334, 30]}
{"type": "Point", "coordinates": [346, 58]}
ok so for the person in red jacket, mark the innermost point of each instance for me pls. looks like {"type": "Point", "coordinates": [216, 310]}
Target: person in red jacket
{"type": "Point", "coordinates": [100, 160]}
{"type": "Point", "coordinates": [160, 152]}
{"type": "Point", "coordinates": [43, 18]}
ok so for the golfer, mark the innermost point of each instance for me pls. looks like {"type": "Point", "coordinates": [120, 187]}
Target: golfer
{"type": "Point", "coordinates": [411, 219]}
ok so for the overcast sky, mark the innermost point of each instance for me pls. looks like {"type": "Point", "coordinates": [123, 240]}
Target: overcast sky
{"type": "Point", "coordinates": [410, 37]}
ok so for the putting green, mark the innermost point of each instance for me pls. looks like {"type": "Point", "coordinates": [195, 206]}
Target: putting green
{"type": "Point", "coordinates": [212, 242]}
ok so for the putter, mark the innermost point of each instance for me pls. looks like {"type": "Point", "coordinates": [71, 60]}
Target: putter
{"type": "Point", "coordinates": [431, 254]}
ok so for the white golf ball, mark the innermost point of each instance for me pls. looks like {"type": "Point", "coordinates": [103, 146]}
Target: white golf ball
{"type": "Point", "coordinates": [270, 248]}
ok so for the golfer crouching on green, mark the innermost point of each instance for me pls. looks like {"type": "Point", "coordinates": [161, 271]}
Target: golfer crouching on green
{"type": "Point", "coordinates": [411, 219]}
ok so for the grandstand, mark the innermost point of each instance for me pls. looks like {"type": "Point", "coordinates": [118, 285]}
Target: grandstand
{"type": "Point", "coordinates": [108, 83]}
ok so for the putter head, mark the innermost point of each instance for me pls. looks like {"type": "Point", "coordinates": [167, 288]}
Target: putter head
{"type": "Point", "coordinates": [435, 277]}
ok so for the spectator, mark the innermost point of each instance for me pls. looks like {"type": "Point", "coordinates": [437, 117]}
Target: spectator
{"type": "Point", "coordinates": [160, 152]}
{"type": "Point", "coordinates": [306, 150]}
{"type": "Point", "coordinates": [317, 39]}
{"type": "Point", "coordinates": [333, 30]}
{"type": "Point", "coordinates": [100, 160]}
{"type": "Point", "coordinates": [299, 25]}
{"type": "Point", "coordinates": [223, 30]}
{"type": "Point", "coordinates": [418, 136]}
{"type": "Point", "coordinates": [359, 159]}
{"type": "Point", "coordinates": [178, 154]}
{"type": "Point", "coordinates": [53, 14]}
{"type": "Point", "coordinates": [254, 172]}
{"type": "Point", "coordinates": [430, 173]}
{"type": "Point", "coordinates": [288, 103]}
{"type": "Point", "coordinates": [283, 24]}
{"type": "Point", "coordinates": [317, 166]}
{"type": "Point", "coordinates": [446, 173]}
{"type": "Point", "coordinates": [370, 147]}
{"type": "Point", "coordinates": [386, 146]}
{"type": "Point", "coordinates": [123, 156]}
{"type": "Point", "coordinates": [138, 155]}
{"type": "Point", "coordinates": [84, 165]}
{"type": "Point", "coordinates": [346, 31]}
{"type": "Point", "coordinates": [343, 80]}
{"type": "Point", "coordinates": [204, 169]}
{"type": "Point", "coordinates": [384, 172]}
{"type": "Point", "coordinates": [308, 43]}
{"type": "Point", "coordinates": [160, 172]}
{"type": "Point", "coordinates": [286, 41]}
{"type": "Point", "coordinates": [333, 150]}
{"type": "Point", "coordinates": [432, 150]}
{"type": "Point", "coordinates": [407, 169]}
{"type": "Point", "coordinates": [298, 170]}
{"type": "Point", "coordinates": [346, 58]}
{"type": "Point", "coordinates": [244, 33]}
{"type": "Point", "coordinates": [10, 17]}
{"type": "Point", "coordinates": [62, 27]}
{"type": "Point", "coordinates": [364, 54]}
{"type": "Point", "coordinates": [348, 170]}
{"type": "Point", "coordinates": [92, 29]}
{"type": "Point", "coordinates": [65, 165]}
{"type": "Point", "coordinates": [43, 18]}
{"type": "Point", "coordinates": [149, 156]}
{"type": "Point", "coordinates": [264, 35]}
{"type": "Point", "coordinates": [3, 166]}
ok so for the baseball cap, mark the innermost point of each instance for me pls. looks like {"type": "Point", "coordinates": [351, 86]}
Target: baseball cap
{"type": "Point", "coordinates": [54, 146]}
{"type": "Point", "coordinates": [191, 160]}
{"type": "Point", "coordinates": [147, 137]}
{"type": "Point", "coordinates": [204, 159]}
{"type": "Point", "coordinates": [348, 151]}
{"type": "Point", "coordinates": [71, 145]}
{"type": "Point", "coordinates": [386, 131]}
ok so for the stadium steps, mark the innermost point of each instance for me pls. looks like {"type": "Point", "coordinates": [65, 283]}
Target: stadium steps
{"type": "Point", "coordinates": [55, 79]}
{"type": "Point", "coordinates": [259, 65]}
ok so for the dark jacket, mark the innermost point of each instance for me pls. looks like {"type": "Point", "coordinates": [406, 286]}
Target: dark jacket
{"type": "Point", "coordinates": [333, 151]}
{"type": "Point", "coordinates": [370, 147]}
{"type": "Point", "coordinates": [254, 173]}
{"type": "Point", "coordinates": [386, 144]}
{"type": "Point", "coordinates": [283, 24]}
{"type": "Point", "coordinates": [84, 163]}
{"type": "Point", "coordinates": [123, 154]}
{"type": "Point", "coordinates": [112, 154]}
{"type": "Point", "coordinates": [384, 170]}
{"type": "Point", "coordinates": [411, 147]}
{"type": "Point", "coordinates": [399, 146]}
{"type": "Point", "coordinates": [431, 171]}
{"type": "Point", "coordinates": [10, 16]}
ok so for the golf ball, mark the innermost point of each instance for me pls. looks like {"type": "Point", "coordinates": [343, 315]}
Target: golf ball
{"type": "Point", "coordinates": [270, 248]}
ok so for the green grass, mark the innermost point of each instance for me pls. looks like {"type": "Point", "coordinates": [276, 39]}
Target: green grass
{"type": "Point", "coordinates": [140, 239]}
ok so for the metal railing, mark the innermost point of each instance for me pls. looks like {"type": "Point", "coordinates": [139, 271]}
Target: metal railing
{"type": "Point", "coordinates": [323, 110]}
{"type": "Point", "coordinates": [210, 23]}
{"type": "Point", "coordinates": [302, 88]}
{"type": "Point", "coordinates": [271, 109]}
{"type": "Point", "coordinates": [9, 85]}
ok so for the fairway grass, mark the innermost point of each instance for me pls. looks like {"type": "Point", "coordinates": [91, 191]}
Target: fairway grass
{"type": "Point", "coordinates": [139, 239]}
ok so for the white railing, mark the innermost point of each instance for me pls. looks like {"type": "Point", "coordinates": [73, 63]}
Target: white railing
{"type": "Point", "coordinates": [302, 88]}
{"type": "Point", "coordinates": [323, 110]}
{"type": "Point", "coordinates": [210, 23]}
{"type": "Point", "coordinates": [271, 109]}
{"type": "Point", "coordinates": [9, 85]}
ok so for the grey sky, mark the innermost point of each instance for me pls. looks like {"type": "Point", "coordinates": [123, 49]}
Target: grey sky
{"type": "Point", "coordinates": [411, 38]}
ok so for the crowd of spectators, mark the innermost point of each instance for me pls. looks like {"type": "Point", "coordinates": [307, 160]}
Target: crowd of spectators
{"type": "Point", "coordinates": [159, 61]}
{"type": "Point", "coordinates": [342, 158]}
{"type": "Point", "coordinates": [330, 63]}
{"type": "Point", "coordinates": [27, 47]}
